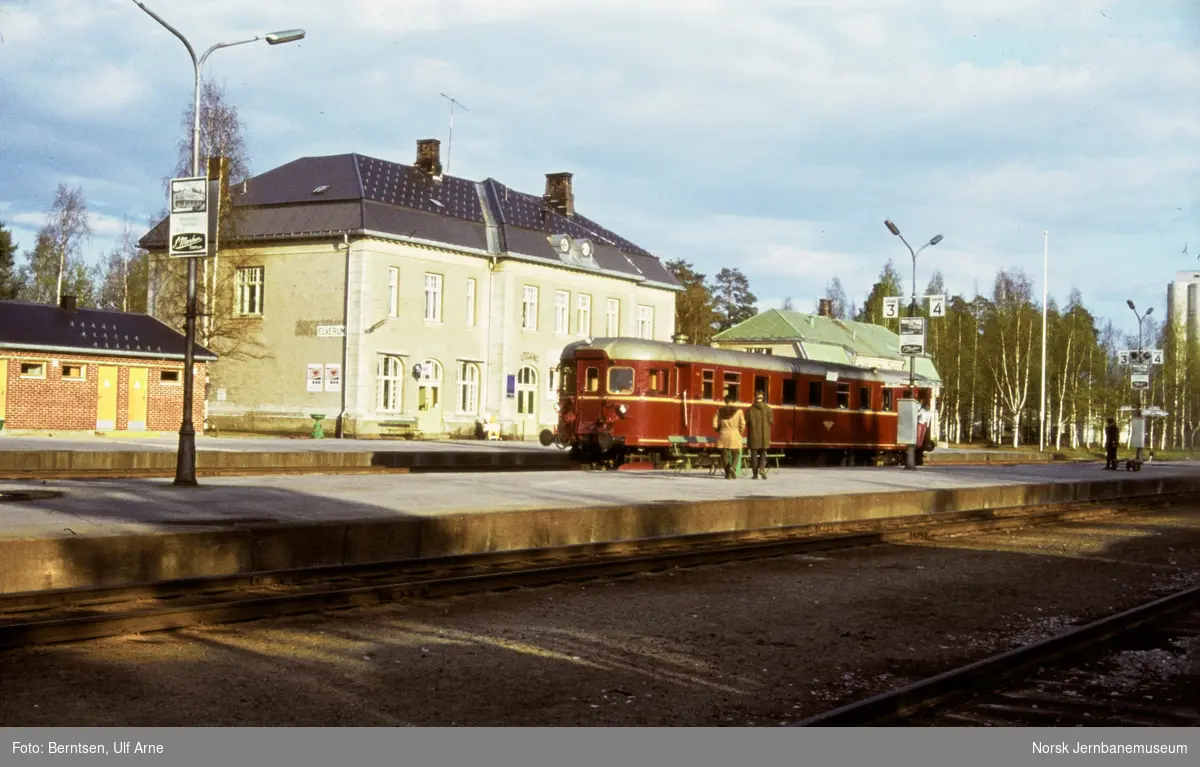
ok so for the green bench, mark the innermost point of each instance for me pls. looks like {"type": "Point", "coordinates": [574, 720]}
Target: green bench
{"type": "Point", "coordinates": [404, 426]}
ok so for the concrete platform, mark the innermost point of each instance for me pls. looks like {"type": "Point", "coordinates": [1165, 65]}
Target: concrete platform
{"type": "Point", "coordinates": [110, 532]}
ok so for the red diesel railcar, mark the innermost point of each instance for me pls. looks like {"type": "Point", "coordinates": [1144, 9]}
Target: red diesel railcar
{"type": "Point", "coordinates": [618, 395]}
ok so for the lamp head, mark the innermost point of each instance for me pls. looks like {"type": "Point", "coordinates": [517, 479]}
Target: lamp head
{"type": "Point", "coordinates": [1149, 311]}
{"type": "Point", "coordinates": [936, 239]}
{"type": "Point", "coordinates": [891, 227]}
{"type": "Point", "coordinates": [1129, 302]}
{"type": "Point", "coordinates": [286, 36]}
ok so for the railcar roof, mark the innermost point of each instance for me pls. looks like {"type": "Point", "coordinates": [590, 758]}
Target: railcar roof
{"type": "Point", "coordinates": [662, 351]}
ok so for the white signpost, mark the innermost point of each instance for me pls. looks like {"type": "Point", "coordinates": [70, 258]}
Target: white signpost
{"type": "Point", "coordinates": [937, 306]}
{"type": "Point", "coordinates": [912, 336]}
{"type": "Point", "coordinates": [1123, 357]}
{"type": "Point", "coordinates": [891, 307]}
{"type": "Point", "coordinates": [1156, 357]}
{"type": "Point", "coordinates": [188, 226]}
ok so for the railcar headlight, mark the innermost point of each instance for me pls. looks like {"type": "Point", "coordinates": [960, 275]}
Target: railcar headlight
{"type": "Point", "coordinates": [622, 409]}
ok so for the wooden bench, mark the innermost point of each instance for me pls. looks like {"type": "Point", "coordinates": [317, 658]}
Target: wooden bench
{"type": "Point", "coordinates": [400, 427]}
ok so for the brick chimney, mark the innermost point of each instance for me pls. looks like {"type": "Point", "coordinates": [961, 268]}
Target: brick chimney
{"type": "Point", "coordinates": [825, 307]}
{"type": "Point", "coordinates": [558, 193]}
{"type": "Point", "coordinates": [67, 303]}
{"type": "Point", "coordinates": [429, 159]}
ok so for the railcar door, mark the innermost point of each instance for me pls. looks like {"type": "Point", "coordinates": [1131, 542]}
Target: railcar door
{"type": "Point", "coordinates": [685, 389]}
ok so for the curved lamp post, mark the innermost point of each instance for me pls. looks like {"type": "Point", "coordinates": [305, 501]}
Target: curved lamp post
{"type": "Point", "coordinates": [910, 456]}
{"type": "Point", "coordinates": [1138, 413]}
{"type": "Point", "coordinates": [185, 464]}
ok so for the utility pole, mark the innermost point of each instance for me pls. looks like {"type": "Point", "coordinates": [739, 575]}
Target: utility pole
{"type": "Point", "coordinates": [1045, 277]}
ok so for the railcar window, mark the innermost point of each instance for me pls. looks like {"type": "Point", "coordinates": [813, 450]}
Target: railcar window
{"type": "Point", "coordinates": [789, 391]}
{"type": "Point", "coordinates": [763, 384]}
{"type": "Point", "coordinates": [707, 391]}
{"type": "Point", "coordinates": [864, 398]}
{"type": "Point", "coordinates": [733, 383]}
{"type": "Point", "coordinates": [814, 393]}
{"type": "Point", "coordinates": [566, 381]}
{"type": "Point", "coordinates": [592, 382]}
{"type": "Point", "coordinates": [843, 395]}
{"type": "Point", "coordinates": [887, 399]}
{"type": "Point", "coordinates": [656, 382]}
{"type": "Point", "coordinates": [620, 380]}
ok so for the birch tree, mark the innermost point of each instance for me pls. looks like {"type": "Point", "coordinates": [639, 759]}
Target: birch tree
{"type": "Point", "coordinates": [1010, 361]}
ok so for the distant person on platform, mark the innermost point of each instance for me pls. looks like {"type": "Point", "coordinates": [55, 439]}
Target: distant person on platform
{"type": "Point", "coordinates": [758, 434]}
{"type": "Point", "coordinates": [730, 425]}
{"type": "Point", "coordinates": [1111, 435]}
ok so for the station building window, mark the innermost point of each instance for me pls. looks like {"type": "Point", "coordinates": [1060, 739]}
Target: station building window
{"type": "Point", "coordinates": [169, 376]}
{"type": "Point", "coordinates": [73, 372]}
{"type": "Point", "coordinates": [33, 369]}
{"type": "Point", "coordinates": [389, 384]}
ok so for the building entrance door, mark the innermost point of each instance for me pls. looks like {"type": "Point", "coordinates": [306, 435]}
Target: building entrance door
{"type": "Point", "coordinates": [137, 398]}
{"type": "Point", "coordinates": [526, 390]}
{"type": "Point", "coordinates": [106, 401]}
{"type": "Point", "coordinates": [3, 386]}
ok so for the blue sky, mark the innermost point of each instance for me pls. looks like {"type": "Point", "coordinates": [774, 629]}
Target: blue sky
{"type": "Point", "coordinates": [772, 135]}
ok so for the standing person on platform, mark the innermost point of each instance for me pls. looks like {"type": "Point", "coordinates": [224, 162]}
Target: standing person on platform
{"type": "Point", "coordinates": [1111, 435]}
{"type": "Point", "coordinates": [758, 434]}
{"type": "Point", "coordinates": [730, 425]}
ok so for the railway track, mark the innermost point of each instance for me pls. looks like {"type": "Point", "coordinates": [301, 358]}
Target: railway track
{"type": "Point", "coordinates": [1137, 668]}
{"type": "Point", "coordinates": [78, 614]}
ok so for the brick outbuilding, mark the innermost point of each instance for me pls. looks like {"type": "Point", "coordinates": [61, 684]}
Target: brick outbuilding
{"type": "Point", "coordinates": [69, 369]}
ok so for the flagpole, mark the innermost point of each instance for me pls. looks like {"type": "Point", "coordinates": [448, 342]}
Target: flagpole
{"type": "Point", "coordinates": [1045, 278]}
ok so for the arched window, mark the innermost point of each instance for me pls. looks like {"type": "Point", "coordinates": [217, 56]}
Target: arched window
{"type": "Point", "coordinates": [526, 390]}
{"type": "Point", "coordinates": [429, 385]}
{"type": "Point", "coordinates": [468, 388]}
{"type": "Point", "coordinates": [389, 384]}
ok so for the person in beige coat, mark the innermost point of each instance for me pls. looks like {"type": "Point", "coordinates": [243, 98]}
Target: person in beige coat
{"type": "Point", "coordinates": [730, 425]}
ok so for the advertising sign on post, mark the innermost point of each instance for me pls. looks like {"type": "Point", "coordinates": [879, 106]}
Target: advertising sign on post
{"type": "Point", "coordinates": [189, 217]}
{"type": "Point", "coordinates": [912, 336]}
{"type": "Point", "coordinates": [315, 376]}
{"type": "Point", "coordinates": [333, 377]}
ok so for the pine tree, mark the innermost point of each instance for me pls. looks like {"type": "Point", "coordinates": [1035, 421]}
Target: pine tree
{"type": "Point", "coordinates": [733, 302]}
{"type": "Point", "coordinates": [693, 308]}
{"type": "Point", "coordinates": [9, 283]}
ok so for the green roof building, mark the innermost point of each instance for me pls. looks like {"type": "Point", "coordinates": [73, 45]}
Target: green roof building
{"type": "Point", "coordinates": [821, 337]}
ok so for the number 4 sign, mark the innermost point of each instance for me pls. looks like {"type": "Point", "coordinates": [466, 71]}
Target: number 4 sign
{"type": "Point", "coordinates": [891, 307]}
{"type": "Point", "coordinates": [937, 306]}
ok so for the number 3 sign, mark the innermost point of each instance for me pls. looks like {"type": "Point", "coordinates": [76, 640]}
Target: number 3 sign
{"type": "Point", "coordinates": [891, 307]}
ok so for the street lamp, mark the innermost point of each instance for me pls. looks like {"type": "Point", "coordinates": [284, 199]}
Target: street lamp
{"type": "Point", "coordinates": [185, 463]}
{"type": "Point", "coordinates": [910, 461]}
{"type": "Point", "coordinates": [1138, 412]}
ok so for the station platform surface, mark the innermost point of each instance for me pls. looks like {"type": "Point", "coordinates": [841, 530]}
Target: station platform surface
{"type": "Point", "coordinates": [109, 532]}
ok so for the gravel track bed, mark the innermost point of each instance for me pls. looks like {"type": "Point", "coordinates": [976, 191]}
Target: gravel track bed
{"type": "Point", "coordinates": [755, 643]}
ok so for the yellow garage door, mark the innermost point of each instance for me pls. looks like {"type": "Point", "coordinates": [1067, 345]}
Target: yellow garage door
{"type": "Point", "coordinates": [137, 399]}
{"type": "Point", "coordinates": [106, 402]}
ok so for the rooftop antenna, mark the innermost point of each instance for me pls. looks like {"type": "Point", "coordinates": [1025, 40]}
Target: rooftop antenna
{"type": "Point", "coordinates": [450, 143]}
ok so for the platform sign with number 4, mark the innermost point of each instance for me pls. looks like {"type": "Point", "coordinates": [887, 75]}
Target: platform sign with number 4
{"type": "Point", "coordinates": [937, 306]}
{"type": "Point", "coordinates": [1156, 357]}
{"type": "Point", "coordinates": [891, 307]}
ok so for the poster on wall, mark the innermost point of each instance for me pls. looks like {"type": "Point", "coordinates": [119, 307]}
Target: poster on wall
{"type": "Point", "coordinates": [333, 377]}
{"type": "Point", "coordinates": [315, 377]}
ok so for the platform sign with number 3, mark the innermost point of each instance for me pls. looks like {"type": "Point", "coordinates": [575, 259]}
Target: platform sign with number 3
{"type": "Point", "coordinates": [937, 306]}
{"type": "Point", "coordinates": [891, 307]}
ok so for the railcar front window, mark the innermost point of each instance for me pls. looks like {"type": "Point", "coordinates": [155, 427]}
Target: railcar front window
{"type": "Point", "coordinates": [620, 380]}
{"type": "Point", "coordinates": [593, 380]}
{"type": "Point", "coordinates": [566, 382]}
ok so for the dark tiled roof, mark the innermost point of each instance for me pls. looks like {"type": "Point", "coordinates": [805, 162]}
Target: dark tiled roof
{"type": "Point", "coordinates": [315, 196]}
{"type": "Point", "coordinates": [91, 331]}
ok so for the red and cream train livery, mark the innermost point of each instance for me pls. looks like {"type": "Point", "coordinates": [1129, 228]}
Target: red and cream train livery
{"type": "Point", "coordinates": [621, 394]}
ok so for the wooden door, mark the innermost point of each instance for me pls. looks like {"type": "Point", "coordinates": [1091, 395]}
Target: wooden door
{"type": "Point", "coordinates": [106, 400]}
{"type": "Point", "coordinates": [137, 398]}
{"type": "Point", "coordinates": [3, 386]}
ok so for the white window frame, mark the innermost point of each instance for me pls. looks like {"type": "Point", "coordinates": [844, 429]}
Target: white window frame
{"type": "Point", "coordinates": [612, 318]}
{"type": "Point", "coordinates": [389, 384]}
{"type": "Point", "coordinates": [393, 291]}
{"type": "Point", "coordinates": [470, 302]}
{"type": "Point", "coordinates": [527, 391]}
{"type": "Point", "coordinates": [468, 388]}
{"type": "Point", "coordinates": [529, 308]}
{"type": "Point", "coordinates": [433, 297]}
{"type": "Point", "coordinates": [250, 282]}
{"type": "Point", "coordinates": [645, 321]}
{"type": "Point", "coordinates": [40, 373]}
{"type": "Point", "coordinates": [583, 314]}
{"type": "Point", "coordinates": [562, 312]}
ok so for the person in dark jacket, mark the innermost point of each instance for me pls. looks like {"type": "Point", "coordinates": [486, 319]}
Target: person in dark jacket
{"type": "Point", "coordinates": [758, 434]}
{"type": "Point", "coordinates": [1111, 435]}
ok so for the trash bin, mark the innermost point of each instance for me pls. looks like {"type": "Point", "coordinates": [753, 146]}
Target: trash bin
{"type": "Point", "coordinates": [318, 431]}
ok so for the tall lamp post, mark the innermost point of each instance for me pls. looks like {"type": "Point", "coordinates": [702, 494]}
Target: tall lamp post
{"type": "Point", "coordinates": [910, 459]}
{"type": "Point", "coordinates": [1138, 412]}
{"type": "Point", "coordinates": [185, 463]}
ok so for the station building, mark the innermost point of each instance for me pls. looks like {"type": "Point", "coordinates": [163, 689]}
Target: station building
{"type": "Point", "coordinates": [69, 369]}
{"type": "Point", "coordinates": [403, 299]}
